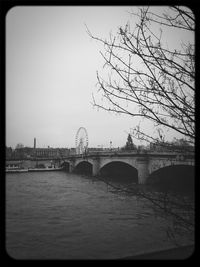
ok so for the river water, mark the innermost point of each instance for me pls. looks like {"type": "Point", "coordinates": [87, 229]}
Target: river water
{"type": "Point", "coordinates": [59, 215]}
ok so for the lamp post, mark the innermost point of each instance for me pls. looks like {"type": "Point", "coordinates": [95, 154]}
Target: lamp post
{"type": "Point", "coordinates": [110, 145]}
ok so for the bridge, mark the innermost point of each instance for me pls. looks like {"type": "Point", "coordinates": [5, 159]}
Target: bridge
{"type": "Point", "coordinates": [141, 164]}
{"type": "Point", "coordinates": [138, 164]}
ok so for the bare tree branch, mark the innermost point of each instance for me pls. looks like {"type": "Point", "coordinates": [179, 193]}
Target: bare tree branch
{"type": "Point", "coordinates": [146, 78]}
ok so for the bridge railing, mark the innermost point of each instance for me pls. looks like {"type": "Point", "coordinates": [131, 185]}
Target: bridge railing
{"type": "Point", "coordinates": [106, 153]}
{"type": "Point", "coordinates": [129, 153]}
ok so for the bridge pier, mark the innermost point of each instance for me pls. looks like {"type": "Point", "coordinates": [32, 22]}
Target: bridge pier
{"type": "Point", "coordinates": [143, 171]}
{"type": "Point", "coordinates": [95, 167]}
{"type": "Point", "coordinates": [71, 167]}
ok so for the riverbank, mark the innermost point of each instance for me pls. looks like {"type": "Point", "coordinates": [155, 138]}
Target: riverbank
{"type": "Point", "coordinates": [181, 253]}
{"type": "Point", "coordinates": [34, 170]}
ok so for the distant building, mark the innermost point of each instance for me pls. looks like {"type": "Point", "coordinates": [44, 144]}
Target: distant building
{"type": "Point", "coordinates": [30, 152]}
{"type": "Point", "coordinates": [72, 151]}
{"type": "Point", "coordinates": [44, 153]}
{"type": "Point", "coordinates": [95, 149]}
{"type": "Point", "coordinates": [9, 152]}
{"type": "Point", "coordinates": [157, 147]}
{"type": "Point", "coordinates": [23, 152]}
{"type": "Point", "coordinates": [178, 146]}
{"type": "Point", "coordinates": [63, 152]}
{"type": "Point", "coordinates": [51, 152]}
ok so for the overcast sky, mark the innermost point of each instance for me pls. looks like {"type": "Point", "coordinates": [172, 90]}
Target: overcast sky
{"type": "Point", "coordinates": [51, 65]}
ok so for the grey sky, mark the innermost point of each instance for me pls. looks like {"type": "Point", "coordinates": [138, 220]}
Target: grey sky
{"type": "Point", "coordinates": [51, 66]}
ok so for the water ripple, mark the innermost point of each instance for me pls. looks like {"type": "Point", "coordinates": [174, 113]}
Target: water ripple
{"type": "Point", "coordinates": [69, 216]}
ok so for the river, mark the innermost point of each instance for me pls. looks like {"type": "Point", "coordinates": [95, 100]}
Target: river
{"type": "Point", "coordinates": [59, 215]}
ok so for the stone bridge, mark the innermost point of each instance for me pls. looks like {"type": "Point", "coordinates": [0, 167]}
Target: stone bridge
{"type": "Point", "coordinates": [144, 163]}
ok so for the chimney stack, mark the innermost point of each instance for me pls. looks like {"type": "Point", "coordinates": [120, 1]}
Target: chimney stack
{"type": "Point", "coordinates": [34, 143]}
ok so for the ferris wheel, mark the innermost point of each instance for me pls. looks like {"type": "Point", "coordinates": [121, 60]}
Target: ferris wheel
{"type": "Point", "coordinates": [81, 141]}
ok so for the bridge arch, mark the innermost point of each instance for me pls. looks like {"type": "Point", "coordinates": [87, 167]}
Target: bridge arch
{"type": "Point", "coordinates": [119, 170]}
{"type": "Point", "coordinates": [127, 160]}
{"type": "Point", "coordinates": [179, 177]}
{"type": "Point", "coordinates": [65, 165]}
{"type": "Point", "coordinates": [157, 164]}
{"type": "Point", "coordinates": [83, 167]}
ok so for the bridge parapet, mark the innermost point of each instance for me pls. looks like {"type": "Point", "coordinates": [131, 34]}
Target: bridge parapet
{"type": "Point", "coordinates": [158, 163]}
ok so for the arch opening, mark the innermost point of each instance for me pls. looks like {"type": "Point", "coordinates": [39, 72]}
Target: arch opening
{"type": "Point", "coordinates": [179, 178]}
{"type": "Point", "coordinates": [83, 167]}
{"type": "Point", "coordinates": [65, 166]}
{"type": "Point", "coordinates": [120, 172]}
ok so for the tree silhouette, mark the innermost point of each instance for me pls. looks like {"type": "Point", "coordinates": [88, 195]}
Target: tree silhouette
{"type": "Point", "coordinates": [129, 143]}
{"type": "Point", "coordinates": [146, 77]}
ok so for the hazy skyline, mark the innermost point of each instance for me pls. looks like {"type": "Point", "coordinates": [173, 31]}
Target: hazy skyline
{"type": "Point", "coordinates": [51, 65]}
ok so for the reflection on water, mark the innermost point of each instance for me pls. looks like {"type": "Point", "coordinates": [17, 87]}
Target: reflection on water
{"type": "Point", "coordinates": [69, 216]}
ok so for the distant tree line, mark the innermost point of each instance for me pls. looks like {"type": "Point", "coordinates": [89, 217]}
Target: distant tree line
{"type": "Point", "coordinates": [22, 152]}
{"type": "Point", "coordinates": [177, 145]}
